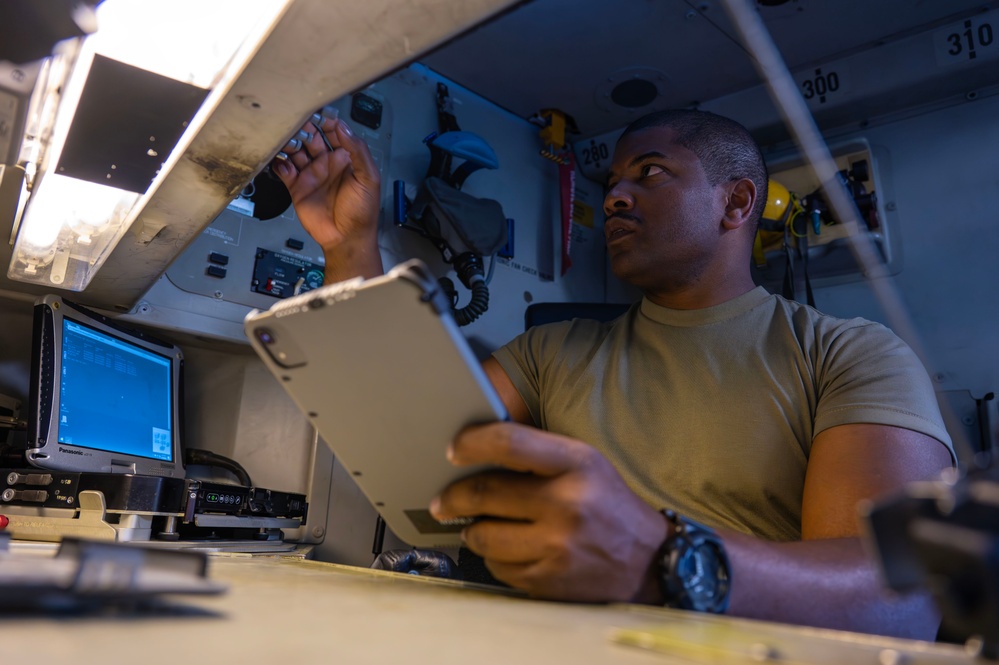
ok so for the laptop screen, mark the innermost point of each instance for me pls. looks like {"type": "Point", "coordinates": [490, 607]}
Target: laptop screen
{"type": "Point", "coordinates": [104, 397]}
{"type": "Point", "coordinates": [114, 395]}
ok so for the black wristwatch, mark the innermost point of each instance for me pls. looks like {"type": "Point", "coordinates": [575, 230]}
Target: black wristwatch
{"type": "Point", "coordinates": [694, 569]}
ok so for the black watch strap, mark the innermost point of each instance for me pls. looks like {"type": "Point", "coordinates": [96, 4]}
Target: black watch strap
{"type": "Point", "coordinates": [695, 572]}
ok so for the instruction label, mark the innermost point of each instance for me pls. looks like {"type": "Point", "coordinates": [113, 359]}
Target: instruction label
{"type": "Point", "coordinates": [510, 263]}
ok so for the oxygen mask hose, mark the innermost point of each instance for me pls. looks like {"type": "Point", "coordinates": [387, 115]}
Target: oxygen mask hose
{"type": "Point", "coordinates": [470, 271]}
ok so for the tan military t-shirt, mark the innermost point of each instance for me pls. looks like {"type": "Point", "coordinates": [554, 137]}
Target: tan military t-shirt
{"type": "Point", "coordinates": [712, 412]}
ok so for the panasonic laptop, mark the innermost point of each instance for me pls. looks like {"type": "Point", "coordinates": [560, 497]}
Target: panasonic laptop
{"type": "Point", "coordinates": [104, 398]}
{"type": "Point", "coordinates": [382, 372]}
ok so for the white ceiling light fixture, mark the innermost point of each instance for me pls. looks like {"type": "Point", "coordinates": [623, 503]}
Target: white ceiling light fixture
{"type": "Point", "coordinates": [110, 115]}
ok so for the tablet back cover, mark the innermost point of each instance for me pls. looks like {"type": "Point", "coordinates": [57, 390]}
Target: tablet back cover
{"type": "Point", "coordinates": [383, 373]}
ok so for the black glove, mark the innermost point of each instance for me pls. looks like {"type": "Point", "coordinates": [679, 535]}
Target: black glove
{"type": "Point", "coordinates": [429, 563]}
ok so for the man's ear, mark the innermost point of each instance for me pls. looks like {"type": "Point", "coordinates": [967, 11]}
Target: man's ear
{"type": "Point", "coordinates": [741, 200]}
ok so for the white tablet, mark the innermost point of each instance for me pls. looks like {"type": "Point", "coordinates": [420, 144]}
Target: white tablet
{"type": "Point", "coordinates": [383, 373]}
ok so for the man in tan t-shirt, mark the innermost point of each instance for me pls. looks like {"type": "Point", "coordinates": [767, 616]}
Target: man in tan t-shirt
{"type": "Point", "coordinates": [685, 193]}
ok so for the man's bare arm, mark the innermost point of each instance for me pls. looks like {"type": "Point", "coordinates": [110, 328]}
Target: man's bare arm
{"type": "Point", "coordinates": [574, 531]}
{"type": "Point", "coordinates": [847, 464]}
{"type": "Point", "coordinates": [515, 405]}
{"type": "Point", "coordinates": [337, 194]}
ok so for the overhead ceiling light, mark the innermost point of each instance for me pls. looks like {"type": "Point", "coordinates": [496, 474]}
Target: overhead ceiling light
{"type": "Point", "coordinates": [108, 117]}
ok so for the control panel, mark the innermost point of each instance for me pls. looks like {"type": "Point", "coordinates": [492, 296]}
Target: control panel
{"type": "Point", "coordinates": [210, 499]}
{"type": "Point", "coordinates": [34, 488]}
{"type": "Point", "coordinates": [281, 275]}
{"type": "Point", "coordinates": [256, 251]}
{"type": "Point", "coordinates": [249, 261]}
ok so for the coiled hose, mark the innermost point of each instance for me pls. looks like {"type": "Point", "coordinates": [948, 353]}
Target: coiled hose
{"type": "Point", "coordinates": [476, 306]}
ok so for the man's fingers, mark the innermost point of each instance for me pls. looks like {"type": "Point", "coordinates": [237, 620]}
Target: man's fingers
{"type": "Point", "coordinates": [285, 171]}
{"type": "Point", "coordinates": [365, 169]}
{"type": "Point", "coordinates": [319, 174]}
{"type": "Point", "coordinates": [313, 145]}
{"type": "Point", "coordinates": [503, 541]}
{"type": "Point", "coordinates": [502, 494]}
{"type": "Point", "coordinates": [328, 137]}
{"type": "Point", "coordinates": [317, 145]}
{"type": "Point", "coordinates": [528, 576]}
{"type": "Point", "coordinates": [318, 156]}
{"type": "Point", "coordinates": [326, 118]}
{"type": "Point", "coordinates": [518, 447]}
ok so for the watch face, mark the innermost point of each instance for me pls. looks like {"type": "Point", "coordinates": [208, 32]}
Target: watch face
{"type": "Point", "coordinates": [704, 577]}
{"type": "Point", "coordinates": [695, 569]}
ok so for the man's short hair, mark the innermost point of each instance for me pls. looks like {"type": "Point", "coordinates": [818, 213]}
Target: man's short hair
{"type": "Point", "coordinates": [726, 149]}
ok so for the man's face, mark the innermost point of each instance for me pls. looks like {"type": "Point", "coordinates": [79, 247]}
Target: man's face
{"type": "Point", "coordinates": [662, 216]}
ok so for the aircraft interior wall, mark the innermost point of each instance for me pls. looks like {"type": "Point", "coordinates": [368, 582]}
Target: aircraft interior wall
{"type": "Point", "coordinates": [941, 170]}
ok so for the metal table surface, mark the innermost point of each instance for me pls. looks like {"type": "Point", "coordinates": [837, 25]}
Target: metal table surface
{"type": "Point", "coordinates": [292, 610]}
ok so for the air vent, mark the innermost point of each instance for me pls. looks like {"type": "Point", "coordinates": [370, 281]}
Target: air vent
{"type": "Point", "coordinates": [636, 90]}
{"type": "Point", "coordinates": [634, 93]}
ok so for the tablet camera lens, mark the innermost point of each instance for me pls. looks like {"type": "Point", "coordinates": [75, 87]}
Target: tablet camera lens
{"type": "Point", "coordinates": [265, 336]}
